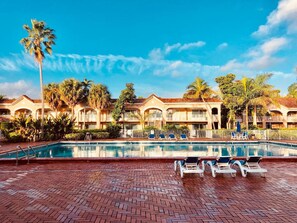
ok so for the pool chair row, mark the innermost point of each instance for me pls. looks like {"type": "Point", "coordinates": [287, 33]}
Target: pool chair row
{"type": "Point", "coordinates": [170, 136]}
{"type": "Point", "coordinates": [221, 165]}
{"type": "Point", "coordinates": [239, 136]}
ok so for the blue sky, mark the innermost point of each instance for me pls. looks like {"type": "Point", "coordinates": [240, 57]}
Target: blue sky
{"type": "Point", "coordinates": [159, 45]}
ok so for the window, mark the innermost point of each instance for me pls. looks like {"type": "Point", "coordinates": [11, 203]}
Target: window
{"type": "Point", "coordinates": [198, 113]}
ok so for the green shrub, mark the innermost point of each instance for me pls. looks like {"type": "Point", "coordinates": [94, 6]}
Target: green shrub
{"type": "Point", "coordinates": [74, 136]}
{"type": "Point", "coordinates": [113, 130]}
{"type": "Point", "coordinates": [100, 135]}
{"type": "Point", "coordinates": [15, 137]}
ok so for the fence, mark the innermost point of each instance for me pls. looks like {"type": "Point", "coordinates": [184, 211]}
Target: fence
{"type": "Point", "coordinates": [225, 134]}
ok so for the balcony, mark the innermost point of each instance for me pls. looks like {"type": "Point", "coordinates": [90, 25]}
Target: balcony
{"type": "Point", "coordinates": [87, 118]}
{"type": "Point", "coordinates": [292, 119]}
{"type": "Point", "coordinates": [184, 119]}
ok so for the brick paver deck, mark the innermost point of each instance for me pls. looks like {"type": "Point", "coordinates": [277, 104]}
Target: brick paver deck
{"type": "Point", "coordinates": [147, 191]}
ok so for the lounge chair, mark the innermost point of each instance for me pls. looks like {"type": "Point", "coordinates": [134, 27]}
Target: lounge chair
{"type": "Point", "coordinates": [189, 165]}
{"type": "Point", "coordinates": [151, 136]}
{"type": "Point", "coordinates": [221, 165]}
{"type": "Point", "coordinates": [183, 137]}
{"type": "Point", "coordinates": [162, 136]}
{"type": "Point", "coordinates": [233, 135]}
{"type": "Point", "coordinates": [244, 136]}
{"type": "Point", "coordinates": [171, 136]}
{"type": "Point", "coordinates": [250, 165]}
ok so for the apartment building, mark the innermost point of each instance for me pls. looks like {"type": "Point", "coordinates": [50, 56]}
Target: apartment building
{"type": "Point", "coordinates": [153, 110]}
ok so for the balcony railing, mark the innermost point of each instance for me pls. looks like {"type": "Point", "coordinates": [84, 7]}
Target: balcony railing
{"type": "Point", "coordinates": [184, 119]}
{"type": "Point", "coordinates": [267, 119]}
{"type": "Point", "coordinates": [87, 118]}
{"type": "Point", "coordinates": [292, 119]}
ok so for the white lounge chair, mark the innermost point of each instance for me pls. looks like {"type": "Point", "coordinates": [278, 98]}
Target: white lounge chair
{"type": "Point", "coordinates": [250, 165]}
{"type": "Point", "coordinates": [221, 165]}
{"type": "Point", "coordinates": [244, 136]}
{"type": "Point", "coordinates": [189, 165]}
{"type": "Point", "coordinates": [233, 136]}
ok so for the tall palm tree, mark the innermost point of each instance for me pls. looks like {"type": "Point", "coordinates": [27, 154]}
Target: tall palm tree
{"type": "Point", "coordinates": [71, 93]}
{"type": "Point", "coordinates": [99, 98]}
{"type": "Point", "coordinates": [199, 89]}
{"type": "Point", "coordinates": [53, 97]}
{"type": "Point", "coordinates": [265, 94]}
{"type": "Point", "coordinates": [247, 92]}
{"type": "Point", "coordinates": [40, 39]}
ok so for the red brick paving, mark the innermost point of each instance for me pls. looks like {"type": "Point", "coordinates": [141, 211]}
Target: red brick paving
{"type": "Point", "coordinates": [147, 191]}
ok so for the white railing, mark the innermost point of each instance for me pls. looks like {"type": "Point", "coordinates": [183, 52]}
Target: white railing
{"type": "Point", "coordinates": [225, 134]}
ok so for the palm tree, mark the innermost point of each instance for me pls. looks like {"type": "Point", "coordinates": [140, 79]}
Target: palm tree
{"type": "Point", "coordinates": [247, 93]}
{"type": "Point", "coordinates": [40, 39]}
{"type": "Point", "coordinates": [264, 95]}
{"type": "Point", "coordinates": [53, 97]}
{"type": "Point", "coordinates": [86, 84]}
{"type": "Point", "coordinates": [71, 93]}
{"type": "Point", "coordinates": [99, 98]}
{"type": "Point", "coordinates": [199, 89]}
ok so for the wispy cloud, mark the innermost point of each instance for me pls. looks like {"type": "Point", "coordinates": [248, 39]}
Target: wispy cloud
{"type": "Point", "coordinates": [285, 14]}
{"type": "Point", "coordinates": [161, 53]}
{"type": "Point", "coordinates": [222, 46]}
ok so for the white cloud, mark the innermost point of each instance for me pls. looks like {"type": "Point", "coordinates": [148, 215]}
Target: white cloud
{"type": "Point", "coordinates": [188, 46]}
{"type": "Point", "coordinates": [263, 56]}
{"type": "Point", "coordinates": [285, 14]}
{"type": "Point", "coordinates": [159, 53]}
{"type": "Point", "coordinates": [21, 87]}
{"type": "Point", "coordinates": [222, 46]}
{"type": "Point", "coordinates": [231, 65]}
{"type": "Point", "coordinates": [273, 45]}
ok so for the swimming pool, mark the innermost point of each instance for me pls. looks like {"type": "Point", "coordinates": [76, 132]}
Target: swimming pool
{"type": "Point", "coordinates": [156, 149]}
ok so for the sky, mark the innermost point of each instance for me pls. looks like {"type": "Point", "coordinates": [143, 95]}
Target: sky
{"type": "Point", "coordinates": [159, 45]}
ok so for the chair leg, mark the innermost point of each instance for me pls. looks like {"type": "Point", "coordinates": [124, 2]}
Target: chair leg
{"type": "Point", "coordinates": [175, 166]}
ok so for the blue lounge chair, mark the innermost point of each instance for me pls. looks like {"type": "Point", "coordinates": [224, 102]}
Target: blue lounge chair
{"type": "Point", "coordinates": [171, 136]}
{"type": "Point", "coordinates": [250, 165]}
{"type": "Point", "coordinates": [221, 165]}
{"type": "Point", "coordinates": [189, 165]}
{"type": "Point", "coordinates": [183, 136]}
{"type": "Point", "coordinates": [161, 136]}
{"type": "Point", "coordinates": [151, 136]}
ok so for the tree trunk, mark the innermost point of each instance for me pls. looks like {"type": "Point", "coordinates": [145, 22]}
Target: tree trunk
{"type": "Point", "coordinates": [42, 98]}
{"type": "Point", "coordinates": [210, 116]}
{"type": "Point", "coordinates": [247, 117]}
{"type": "Point", "coordinates": [99, 118]}
{"type": "Point", "coordinates": [255, 116]}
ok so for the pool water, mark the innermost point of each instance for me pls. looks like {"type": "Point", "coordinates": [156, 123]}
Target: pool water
{"type": "Point", "coordinates": [80, 150]}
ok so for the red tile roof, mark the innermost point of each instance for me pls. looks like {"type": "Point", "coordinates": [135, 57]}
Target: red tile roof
{"type": "Point", "coordinates": [288, 102]}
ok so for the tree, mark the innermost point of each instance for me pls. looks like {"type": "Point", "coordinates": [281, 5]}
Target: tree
{"type": "Point", "coordinates": [53, 97]}
{"type": "Point", "coordinates": [230, 96]}
{"type": "Point", "coordinates": [71, 93]}
{"type": "Point", "coordinates": [199, 89]}
{"type": "Point", "coordinates": [264, 94]}
{"type": "Point", "coordinates": [292, 90]}
{"type": "Point", "coordinates": [2, 97]}
{"type": "Point", "coordinates": [127, 96]}
{"type": "Point", "coordinates": [86, 84]}
{"type": "Point", "coordinates": [40, 39]}
{"type": "Point", "coordinates": [99, 98]}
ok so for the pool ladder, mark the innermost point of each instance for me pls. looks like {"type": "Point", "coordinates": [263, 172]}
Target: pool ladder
{"type": "Point", "coordinates": [26, 152]}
